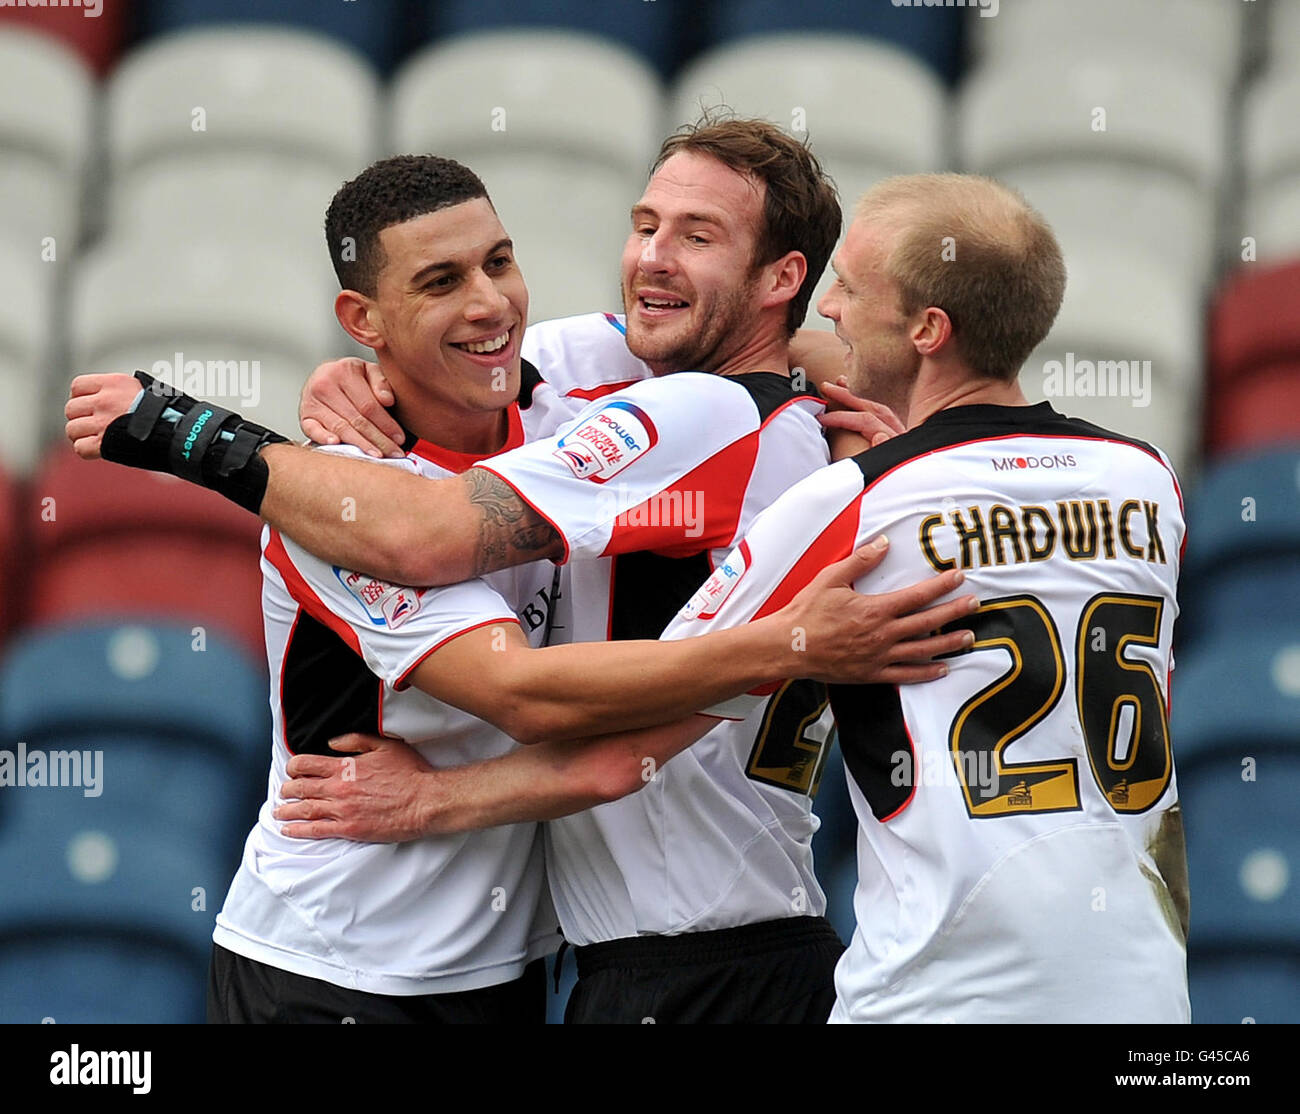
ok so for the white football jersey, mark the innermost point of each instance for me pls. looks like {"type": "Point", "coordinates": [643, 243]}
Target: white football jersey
{"type": "Point", "coordinates": [648, 486]}
{"type": "Point", "coordinates": [1020, 851]}
{"type": "Point", "coordinates": [435, 915]}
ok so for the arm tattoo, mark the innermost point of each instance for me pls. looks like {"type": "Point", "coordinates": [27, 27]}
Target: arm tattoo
{"type": "Point", "coordinates": [510, 531]}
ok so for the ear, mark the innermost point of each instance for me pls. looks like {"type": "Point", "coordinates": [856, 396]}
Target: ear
{"type": "Point", "coordinates": [932, 332]}
{"type": "Point", "coordinates": [355, 312]}
{"type": "Point", "coordinates": [786, 278]}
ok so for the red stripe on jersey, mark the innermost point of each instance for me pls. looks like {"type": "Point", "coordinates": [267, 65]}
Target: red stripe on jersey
{"type": "Point", "coordinates": [590, 394]}
{"type": "Point", "coordinates": [404, 680]}
{"type": "Point", "coordinates": [717, 492]}
{"type": "Point", "coordinates": [302, 594]}
{"type": "Point", "coordinates": [458, 462]}
{"type": "Point", "coordinates": [793, 402]}
{"type": "Point", "coordinates": [833, 544]}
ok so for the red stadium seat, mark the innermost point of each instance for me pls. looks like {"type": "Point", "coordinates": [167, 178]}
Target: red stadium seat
{"type": "Point", "coordinates": [107, 540]}
{"type": "Point", "coordinates": [11, 559]}
{"type": "Point", "coordinates": [97, 38]}
{"type": "Point", "coordinates": [1254, 323]}
{"type": "Point", "coordinates": [1261, 409]}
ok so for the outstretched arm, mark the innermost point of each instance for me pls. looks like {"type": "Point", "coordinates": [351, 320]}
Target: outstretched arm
{"type": "Point", "coordinates": [387, 793]}
{"type": "Point", "coordinates": [401, 527]}
{"type": "Point", "coordinates": [389, 524]}
{"type": "Point", "coordinates": [828, 632]}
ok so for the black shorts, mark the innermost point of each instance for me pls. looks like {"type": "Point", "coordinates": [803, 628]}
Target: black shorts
{"type": "Point", "coordinates": [774, 972]}
{"type": "Point", "coordinates": [244, 991]}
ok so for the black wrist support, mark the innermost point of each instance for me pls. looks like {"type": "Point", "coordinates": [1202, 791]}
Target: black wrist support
{"type": "Point", "coordinates": [198, 441]}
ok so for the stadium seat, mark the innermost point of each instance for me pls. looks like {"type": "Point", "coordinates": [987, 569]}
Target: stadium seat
{"type": "Point", "coordinates": [25, 335]}
{"type": "Point", "coordinates": [1253, 323]}
{"type": "Point", "coordinates": [1245, 507]}
{"type": "Point", "coordinates": [815, 85]}
{"type": "Point", "coordinates": [247, 322]}
{"type": "Point", "coordinates": [46, 106]}
{"type": "Point", "coordinates": [563, 169]}
{"type": "Point", "coordinates": [1271, 132]}
{"type": "Point", "coordinates": [1260, 411]}
{"type": "Point", "coordinates": [1107, 201]}
{"type": "Point", "coordinates": [138, 683]}
{"type": "Point", "coordinates": [1121, 305]}
{"type": "Point", "coordinates": [1271, 218]}
{"type": "Point", "coordinates": [1204, 36]}
{"type": "Point", "coordinates": [237, 132]}
{"type": "Point", "coordinates": [12, 556]}
{"type": "Point", "coordinates": [105, 889]}
{"type": "Point", "coordinates": [1243, 848]}
{"type": "Point", "coordinates": [1237, 694]}
{"type": "Point", "coordinates": [96, 39]}
{"type": "Point", "coordinates": [376, 28]}
{"type": "Point", "coordinates": [108, 540]}
{"type": "Point", "coordinates": [1241, 595]}
{"type": "Point", "coordinates": [1039, 122]}
{"type": "Point", "coordinates": [1244, 986]}
{"type": "Point", "coordinates": [653, 31]}
{"type": "Point", "coordinates": [933, 37]}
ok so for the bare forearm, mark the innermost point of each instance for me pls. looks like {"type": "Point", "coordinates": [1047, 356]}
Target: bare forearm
{"type": "Point", "coordinates": [401, 527]}
{"type": "Point", "coordinates": [372, 519]}
{"type": "Point", "coordinates": [554, 779]}
{"type": "Point", "coordinates": [581, 690]}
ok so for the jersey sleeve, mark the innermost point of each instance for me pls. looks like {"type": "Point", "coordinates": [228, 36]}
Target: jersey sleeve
{"type": "Point", "coordinates": [392, 627]}
{"type": "Point", "coordinates": [662, 465]}
{"type": "Point", "coordinates": [814, 524]}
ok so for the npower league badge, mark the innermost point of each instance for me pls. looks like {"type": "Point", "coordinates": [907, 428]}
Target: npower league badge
{"type": "Point", "coordinates": [601, 446]}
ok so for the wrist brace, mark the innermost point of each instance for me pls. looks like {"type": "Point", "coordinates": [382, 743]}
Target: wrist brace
{"type": "Point", "coordinates": [198, 441]}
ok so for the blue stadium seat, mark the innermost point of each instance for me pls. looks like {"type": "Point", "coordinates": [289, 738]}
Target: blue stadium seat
{"type": "Point", "coordinates": [181, 734]}
{"type": "Point", "coordinates": [1237, 693]}
{"type": "Point", "coordinates": [1228, 988]}
{"type": "Point", "coordinates": [933, 35]}
{"type": "Point", "coordinates": [652, 30]}
{"type": "Point", "coordinates": [1243, 595]}
{"type": "Point", "coordinates": [110, 678]}
{"type": "Point", "coordinates": [88, 979]}
{"type": "Point", "coordinates": [106, 909]}
{"type": "Point", "coordinates": [376, 28]}
{"type": "Point", "coordinates": [1246, 506]}
{"type": "Point", "coordinates": [1243, 849]}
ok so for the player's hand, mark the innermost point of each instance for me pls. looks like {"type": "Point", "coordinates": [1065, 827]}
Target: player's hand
{"type": "Point", "coordinates": [873, 423]}
{"type": "Point", "coordinates": [94, 402]}
{"type": "Point", "coordinates": [343, 401]}
{"type": "Point", "coordinates": [380, 794]}
{"type": "Point", "coordinates": [851, 638]}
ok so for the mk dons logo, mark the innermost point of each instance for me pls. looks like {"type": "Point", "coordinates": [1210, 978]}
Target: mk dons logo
{"type": "Point", "coordinates": [1032, 463]}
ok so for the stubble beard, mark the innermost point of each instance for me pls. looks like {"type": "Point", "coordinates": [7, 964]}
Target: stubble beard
{"type": "Point", "coordinates": [724, 318]}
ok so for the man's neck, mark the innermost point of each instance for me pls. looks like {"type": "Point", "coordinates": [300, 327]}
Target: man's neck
{"type": "Point", "coordinates": [943, 394]}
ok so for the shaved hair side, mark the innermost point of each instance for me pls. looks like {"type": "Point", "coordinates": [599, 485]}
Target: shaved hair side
{"type": "Point", "coordinates": [977, 250]}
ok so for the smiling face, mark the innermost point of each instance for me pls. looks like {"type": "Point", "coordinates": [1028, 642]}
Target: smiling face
{"type": "Point", "coordinates": [690, 287]}
{"type": "Point", "coordinates": [450, 307]}
{"type": "Point", "coordinates": [866, 306]}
